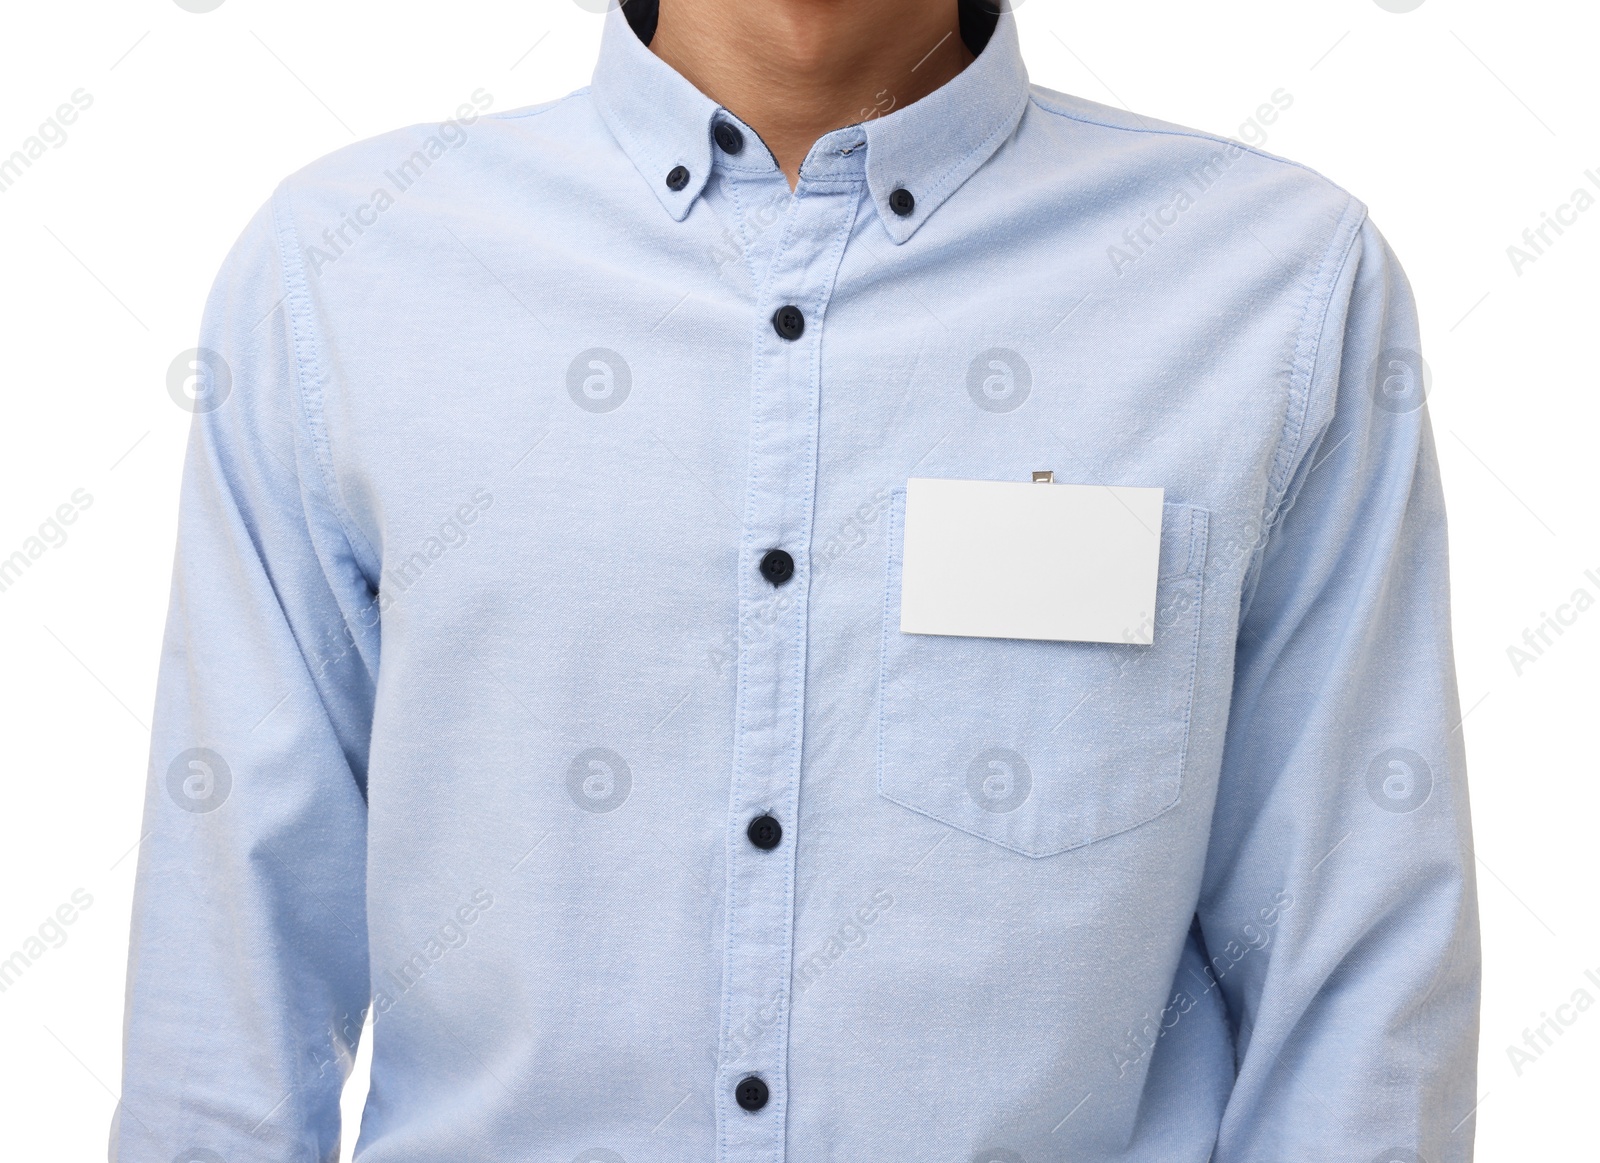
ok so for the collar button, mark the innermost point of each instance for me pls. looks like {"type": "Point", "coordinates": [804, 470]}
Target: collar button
{"type": "Point", "coordinates": [677, 178]}
{"type": "Point", "coordinates": [901, 202]}
{"type": "Point", "coordinates": [729, 139]}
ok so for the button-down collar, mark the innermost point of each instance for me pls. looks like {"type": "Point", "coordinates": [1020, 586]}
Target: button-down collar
{"type": "Point", "coordinates": [929, 147]}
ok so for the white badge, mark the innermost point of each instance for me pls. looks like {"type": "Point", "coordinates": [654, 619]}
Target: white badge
{"type": "Point", "coordinates": [1004, 559]}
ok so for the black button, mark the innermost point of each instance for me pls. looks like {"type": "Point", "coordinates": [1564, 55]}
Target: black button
{"type": "Point", "coordinates": [728, 137]}
{"type": "Point", "coordinates": [764, 832]}
{"type": "Point", "coordinates": [901, 202]}
{"type": "Point", "coordinates": [677, 178]}
{"type": "Point", "coordinates": [777, 566]}
{"type": "Point", "coordinates": [751, 1093]}
{"type": "Point", "coordinates": [788, 322]}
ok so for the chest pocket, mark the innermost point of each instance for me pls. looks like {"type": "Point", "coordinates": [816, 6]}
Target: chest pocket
{"type": "Point", "coordinates": [1042, 747]}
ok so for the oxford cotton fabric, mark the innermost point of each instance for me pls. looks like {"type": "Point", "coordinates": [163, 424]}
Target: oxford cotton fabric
{"type": "Point", "coordinates": [523, 428]}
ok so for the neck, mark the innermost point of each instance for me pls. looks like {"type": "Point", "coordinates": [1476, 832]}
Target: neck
{"type": "Point", "coordinates": [794, 70]}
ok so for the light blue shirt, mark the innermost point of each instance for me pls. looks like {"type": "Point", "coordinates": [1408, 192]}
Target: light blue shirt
{"type": "Point", "coordinates": [501, 399]}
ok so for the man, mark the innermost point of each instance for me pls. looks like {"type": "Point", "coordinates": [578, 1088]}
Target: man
{"type": "Point", "coordinates": [695, 810]}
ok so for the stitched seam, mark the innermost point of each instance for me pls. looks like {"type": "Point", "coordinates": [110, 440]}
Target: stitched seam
{"type": "Point", "coordinates": [891, 571]}
{"type": "Point", "coordinates": [950, 180]}
{"type": "Point", "coordinates": [1194, 539]}
{"type": "Point", "coordinates": [721, 161]}
{"type": "Point", "coordinates": [613, 122]}
{"type": "Point", "coordinates": [309, 379]}
{"type": "Point", "coordinates": [1308, 353]}
{"type": "Point", "coordinates": [1004, 129]}
{"type": "Point", "coordinates": [1164, 131]}
{"type": "Point", "coordinates": [746, 556]}
{"type": "Point", "coordinates": [1202, 528]}
{"type": "Point", "coordinates": [618, 129]}
{"type": "Point", "coordinates": [831, 181]}
{"type": "Point", "coordinates": [636, 154]}
{"type": "Point", "coordinates": [517, 114]}
{"type": "Point", "coordinates": [1195, 515]}
{"type": "Point", "coordinates": [745, 238]}
{"type": "Point", "coordinates": [798, 676]}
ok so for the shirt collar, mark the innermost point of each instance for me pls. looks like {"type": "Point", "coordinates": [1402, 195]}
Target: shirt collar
{"type": "Point", "coordinates": [928, 148]}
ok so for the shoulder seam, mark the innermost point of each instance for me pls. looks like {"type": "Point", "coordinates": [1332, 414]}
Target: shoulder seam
{"type": "Point", "coordinates": [1308, 352]}
{"type": "Point", "coordinates": [517, 114]}
{"type": "Point", "coordinates": [309, 374]}
{"type": "Point", "coordinates": [1177, 131]}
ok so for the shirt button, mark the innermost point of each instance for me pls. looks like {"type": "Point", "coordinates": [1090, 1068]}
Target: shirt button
{"type": "Point", "coordinates": [764, 832]}
{"type": "Point", "coordinates": [901, 202]}
{"type": "Point", "coordinates": [751, 1093]}
{"type": "Point", "coordinates": [677, 178]}
{"type": "Point", "coordinates": [777, 566]}
{"type": "Point", "coordinates": [788, 322]}
{"type": "Point", "coordinates": [728, 137]}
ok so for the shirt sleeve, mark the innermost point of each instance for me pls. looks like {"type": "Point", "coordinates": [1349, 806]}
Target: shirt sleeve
{"type": "Point", "coordinates": [247, 977]}
{"type": "Point", "coordinates": [1339, 907]}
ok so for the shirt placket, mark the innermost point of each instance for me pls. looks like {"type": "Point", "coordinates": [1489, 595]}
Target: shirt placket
{"type": "Point", "coordinates": [752, 1092]}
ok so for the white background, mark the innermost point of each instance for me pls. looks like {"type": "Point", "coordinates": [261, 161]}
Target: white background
{"type": "Point", "coordinates": [1459, 123]}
